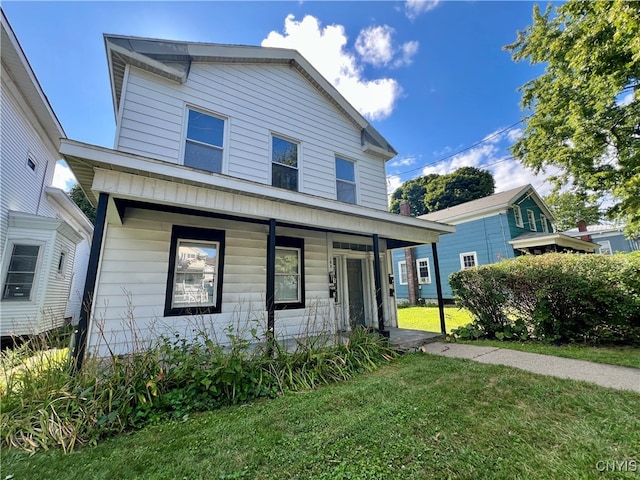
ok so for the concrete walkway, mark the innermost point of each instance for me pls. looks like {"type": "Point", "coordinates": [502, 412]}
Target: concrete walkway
{"type": "Point", "coordinates": [612, 376]}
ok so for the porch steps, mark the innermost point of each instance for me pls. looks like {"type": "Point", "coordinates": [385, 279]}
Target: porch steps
{"type": "Point", "coordinates": [404, 340]}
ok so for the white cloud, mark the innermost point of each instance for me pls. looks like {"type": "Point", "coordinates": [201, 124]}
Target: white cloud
{"type": "Point", "coordinates": [63, 178]}
{"type": "Point", "coordinates": [402, 162]}
{"type": "Point", "coordinates": [325, 48]}
{"type": "Point", "coordinates": [514, 135]}
{"type": "Point", "coordinates": [375, 46]}
{"type": "Point", "coordinates": [413, 8]}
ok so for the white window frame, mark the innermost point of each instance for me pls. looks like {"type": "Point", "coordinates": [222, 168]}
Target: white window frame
{"type": "Point", "coordinates": [349, 182]}
{"type": "Point", "coordinates": [463, 266]}
{"type": "Point", "coordinates": [402, 276]}
{"type": "Point", "coordinates": [297, 168]}
{"type": "Point", "coordinates": [30, 159]}
{"type": "Point", "coordinates": [605, 247]}
{"type": "Point", "coordinates": [222, 148]}
{"type": "Point", "coordinates": [543, 221]}
{"type": "Point", "coordinates": [517, 213]}
{"type": "Point", "coordinates": [36, 272]}
{"type": "Point", "coordinates": [531, 217]}
{"type": "Point", "coordinates": [423, 280]}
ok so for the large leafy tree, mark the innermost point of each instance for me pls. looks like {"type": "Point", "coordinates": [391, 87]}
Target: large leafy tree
{"type": "Point", "coordinates": [568, 208]}
{"type": "Point", "coordinates": [463, 185]}
{"type": "Point", "coordinates": [585, 107]}
{"type": "Point", "coordinates": [80, 199]}
{"type": "Point", "coordinates": [434, 192]}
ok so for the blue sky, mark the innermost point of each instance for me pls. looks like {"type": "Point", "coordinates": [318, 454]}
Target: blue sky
{"type": "Point", "coordinates": [432, 76]}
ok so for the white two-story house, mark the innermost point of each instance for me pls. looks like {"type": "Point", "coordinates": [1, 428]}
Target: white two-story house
{"type": "Point", "coordinates": [242, 187]}
{"type": "Point", "coordinates": [44, 236]}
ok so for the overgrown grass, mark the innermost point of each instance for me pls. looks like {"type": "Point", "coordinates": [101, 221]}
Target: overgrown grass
{"type": "Point", "coordinates": [626, 356]}
{"type": "Point", "coordinates": [43, 404]}
{"type": "Point", "coordinates": [420, 417]}
{"type": "Point", "coordinates": [428, 318]}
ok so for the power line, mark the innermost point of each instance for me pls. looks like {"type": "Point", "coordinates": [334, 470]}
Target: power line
{"type": "Point", "coordinates": [484, 140]}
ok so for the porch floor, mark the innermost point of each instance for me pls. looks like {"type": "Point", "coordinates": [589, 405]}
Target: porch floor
{"type": "Point", "coordinates": [406, 340]}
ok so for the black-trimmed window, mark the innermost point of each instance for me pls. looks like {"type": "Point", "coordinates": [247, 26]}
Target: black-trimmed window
{"type": "Point", "coordinates": [204, 143]}
{"type": "Point", "coordinates": [284, 163]}
{"type": "Point", "coordinates": [196, 261]}
{"type": "Point", "coordinates": [21, 272]}
{"type": "Point", "coordinates": [289, 273]}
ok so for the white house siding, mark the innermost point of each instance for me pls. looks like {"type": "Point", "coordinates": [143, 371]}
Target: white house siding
{"type": "Point", "coordinates": [21, 187]}
{"type": "Point", "coordinates": [23, 317]}
{"type": "Point", "coordinates": [257, 101]}
{"type": "Point", "coordinates": [80, 264]}
{"type": "Point", "coordinates": [132, 278]}
{"type": "Point", "coordinates": [57, 286]}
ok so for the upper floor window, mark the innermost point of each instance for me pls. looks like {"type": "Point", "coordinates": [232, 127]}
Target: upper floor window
{"type": "Point", "coordinates": [21, 272]}
{"type": "Point", "coordinates": [531, 217]}
{"type": "Point", "coordinates": [468, 260]}
{"type": "Point", "coordinates": [422, 267]}
{"type": "Point", "coordinates": [31, 163]}
{"type": "Point", "coordinates": [605, 247]}
{"type": "Point", "coordinates": [284, 161]}
{"type": "Point", "coordinates": [517, 213]}
{"type": "Point", "coordinates": [345, 181]}
{"type": "Point", "coordinates": [204, 142]}
{"type": "Point", "coordinates": [402, 270]}
{"type": "Point", "coordinates": [543, 221]}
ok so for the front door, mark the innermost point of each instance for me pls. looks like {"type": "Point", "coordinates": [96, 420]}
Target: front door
{"type": "Point", "coordinates": [356, 292]}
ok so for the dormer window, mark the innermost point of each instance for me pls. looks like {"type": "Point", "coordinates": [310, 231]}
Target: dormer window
{"type": "Point", "coordinates": [284, 163]}
{"type": "Point", "coordinates": [204, 143]}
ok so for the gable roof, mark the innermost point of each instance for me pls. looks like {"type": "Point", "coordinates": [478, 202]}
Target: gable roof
{"type": "Point", "coordinates": [172, 60]}
{"type": "Point", "coordinates": [489, 205]}
{"type": "Point", "coordinates": [19, 68]}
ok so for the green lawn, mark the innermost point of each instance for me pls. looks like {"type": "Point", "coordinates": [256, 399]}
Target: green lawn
{"type": "Point", "coordinates": [428, 318]}
{"type": "Point", "coordinates": [420, 417]}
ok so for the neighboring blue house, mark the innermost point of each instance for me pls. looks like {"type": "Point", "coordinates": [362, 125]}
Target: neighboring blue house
{"type": "Point", "coordinates": [490, 229]}
{"type": "Point", "coordinates": [610, 238]}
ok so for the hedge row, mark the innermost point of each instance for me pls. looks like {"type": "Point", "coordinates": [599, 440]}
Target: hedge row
{"type": "Point", "coordinates": [559, 297]}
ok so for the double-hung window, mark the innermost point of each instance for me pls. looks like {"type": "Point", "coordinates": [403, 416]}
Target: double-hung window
{"type": "Point", "coordinates": [468, 260]}
{"type": "Point", "coordinates": [21, 272]}
{"type": "Point", "coordinates": [402, 270]}
{"type": "Point", "coordinates": [531, 217]}
{"type": "Point", "coordinates": [289, 273]}
{"type": "Point", "coordinates": [196, 260]}
{"type": "Point", "coordinates": [517, 213]}
{"type": "Point", "coordinates": [204, 142]}
{"type": "Point", "coordinates": [284, 163]}
{"type": "Point", "coordinates": [345, 180]}
{"type": "Point", "coordinates": [543, 221]}
{"type": "Point", "coordinates": [422, 267]}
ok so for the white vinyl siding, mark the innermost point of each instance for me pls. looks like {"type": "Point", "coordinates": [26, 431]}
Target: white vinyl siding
{"type": "Point", "coordinates": [140, 248]}
{"type": "Point", "coordinates": [257, 100]}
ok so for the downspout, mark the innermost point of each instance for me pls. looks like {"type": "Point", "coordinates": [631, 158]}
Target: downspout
{"type": "Point", "coordinates": [436, 265]}
{"type": "Point", "coordinates": [271, 285]}
{"type": "Point", "coordinates": [80, 346]}
{"type": "Point", "coordinates": [378, 285]}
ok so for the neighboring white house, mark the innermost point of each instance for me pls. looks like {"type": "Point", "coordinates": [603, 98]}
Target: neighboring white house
{"type": "Point", "coordinates": [44, 237]}
{"type": "Point", "coordinates": [248, 156]}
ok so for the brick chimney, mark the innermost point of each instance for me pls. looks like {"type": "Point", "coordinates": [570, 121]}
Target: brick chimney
{"type": "Point", "coordinates": [582, 227]}
{"type": "Point", "coordinates": [410, 259]}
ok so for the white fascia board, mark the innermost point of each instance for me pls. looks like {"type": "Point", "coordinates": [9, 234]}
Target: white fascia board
{"type": "Point", "coordinates": [113, 160]}
{"type": "Point", "coordinates": [63, 200]}
{"type": "Point", "coordinates": [476, 215]}
{"type": "Point", "coordinates": [557, 239]}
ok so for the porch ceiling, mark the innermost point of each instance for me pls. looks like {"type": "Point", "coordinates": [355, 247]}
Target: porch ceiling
{"type": "Point", "coordinates": [134, 178]}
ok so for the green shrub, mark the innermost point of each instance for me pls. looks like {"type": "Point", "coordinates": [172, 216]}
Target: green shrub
{"type": "Point", "coordinates": [561, 297]}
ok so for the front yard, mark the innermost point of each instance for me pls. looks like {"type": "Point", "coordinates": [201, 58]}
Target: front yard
{"type": "Point", "coordinates": [421, 416]}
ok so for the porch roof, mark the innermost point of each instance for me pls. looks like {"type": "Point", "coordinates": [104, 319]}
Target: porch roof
{"type": "Point", "coordinates": [132, 179]}
{"type": "Point", "coordinates": [560, 241]}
